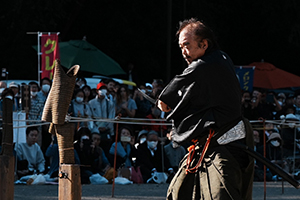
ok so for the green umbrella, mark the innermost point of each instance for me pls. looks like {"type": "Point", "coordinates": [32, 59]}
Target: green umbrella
{"type": "Point", "coordinates": [89, 58]}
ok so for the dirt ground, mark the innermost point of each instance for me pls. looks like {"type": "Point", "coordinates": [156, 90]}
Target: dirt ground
{"type": "Point", "coordinates": [143, 192]}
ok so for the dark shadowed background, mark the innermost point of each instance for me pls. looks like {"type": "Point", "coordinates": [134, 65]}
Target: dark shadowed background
{"type": "Point", "coordinates": [137, 31]}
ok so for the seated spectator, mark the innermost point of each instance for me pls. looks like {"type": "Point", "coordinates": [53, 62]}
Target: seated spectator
{"type": "Point", "coordinates": [31, 153]}
{"type": "Point", "coordinates": [102, 163]}
{"type": "Point", "coordinates": [124, 104]}
{"type": "Point", "coordinates": [149, 156]}
{"type": "Point", "coordinates": [174, 155]}
{"type": "Point", "coordinates": [141, 138]}
{"type": "Point", "coordinates": [88, 156]}
{"type": "Point", "coordinates": [289, 131]}
{"type": "Point", "coordinates": [258, 171]}
{"type": "Point", "coordinates": [269, 129]}
{"type": "Point", "coordinates": [273, 153]}
{"type": "Point", "coordinates": [125, 148]}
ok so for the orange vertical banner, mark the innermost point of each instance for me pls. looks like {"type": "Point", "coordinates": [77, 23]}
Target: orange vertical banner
{"type": "Point", "coordinates": [50, 52]}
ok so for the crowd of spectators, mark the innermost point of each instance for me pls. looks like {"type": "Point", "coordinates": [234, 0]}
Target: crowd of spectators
{"type": "Point", "coordinates": [144, 146]}
{"type": "Point", "coordinates": [281, 131]}
{"type": "Point", "coordinates": [139, 146]}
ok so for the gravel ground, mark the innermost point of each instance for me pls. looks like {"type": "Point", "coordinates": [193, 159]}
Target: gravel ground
{"type": "Point", "coordinates": [143, 192]}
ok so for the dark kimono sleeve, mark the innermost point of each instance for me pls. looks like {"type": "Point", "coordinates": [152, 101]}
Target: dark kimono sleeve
{"type": "Point", "coordinates": [189, 120]}
{"type": "Point", "coordinates": [173, 92]}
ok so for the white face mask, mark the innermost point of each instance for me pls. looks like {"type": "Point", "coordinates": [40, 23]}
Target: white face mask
{"type": "Point", "coordinates": [79, 99]}
{"type": "Point", "coordinates": [275, 143]}
{"type": "Point", "coordinates": [152, 144]}
{"type": "Point", "coordinates": [9, 97]}
{"type": "Point", "coordinates": [46, 88]}
{"type": "Point", "coordinates": [125, 139]}
{"type": "Point", "coordinates": [33, 93]}
{"type": "Point", "coordinates": [280, 103]}
{"type": "Point", "coordinates": [102, 92]}
{"type": "Point", "coordinates": [142, 140]}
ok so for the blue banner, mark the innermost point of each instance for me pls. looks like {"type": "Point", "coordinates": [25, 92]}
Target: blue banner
{"type": "Point", "coordinates": [245, 76]}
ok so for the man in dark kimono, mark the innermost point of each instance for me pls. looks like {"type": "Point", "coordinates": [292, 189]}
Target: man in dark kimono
{"type": "Point", "coordinates": [206, 100]}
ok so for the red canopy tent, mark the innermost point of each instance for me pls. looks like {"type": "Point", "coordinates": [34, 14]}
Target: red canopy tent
{"type": "Point", "coordinates": [268, 76]}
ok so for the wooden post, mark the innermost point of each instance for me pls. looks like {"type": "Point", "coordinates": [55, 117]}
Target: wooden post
{"type": "Point", "coordinates": [69, 182]}
{"type": "Point", "coordinates": [7, 177]}
{"type": "Point", "coordinates": [69, 173]}
{"type": "Point", "coordinates": [6, 154]}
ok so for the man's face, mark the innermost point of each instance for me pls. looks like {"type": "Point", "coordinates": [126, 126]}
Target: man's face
{"type": "Point", "coordinates": [46, 82]}
{"type": "Point", "coordinates": [96, 139]}
{"type": "Point", "coordinates": [189, 46]}
{"type": "Point", "coordinates": [15, 90]}
{"type": "Point", "coordinates": [101, 93]}
{"type": "Point", "coordinates": [2, 84]}
{"type": "Point", "coordinates": [269, 128]}
{"type": "Point", "coordinates": [34, 88]}
{"type": "Point", "coordinates": [256, 137]}
{"type": "Point", "coordinates": [111, 86]}
{"type": "Point", "coordinates": [255, 93]}
{"type": "Point", "coordinates": [31, 138]}
{"type": "Point", "coordinates": [152, 137]}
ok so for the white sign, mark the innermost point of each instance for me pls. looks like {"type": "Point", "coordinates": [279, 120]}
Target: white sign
{"type": "Point", "coordinates": [19, 133]}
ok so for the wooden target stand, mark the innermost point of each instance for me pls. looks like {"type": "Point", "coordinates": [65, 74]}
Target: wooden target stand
{"type": "Point", "coordinates": [55, 111]}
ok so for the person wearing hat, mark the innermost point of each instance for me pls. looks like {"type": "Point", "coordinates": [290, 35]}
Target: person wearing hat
{"type": "Point", "coordinates": [288, 132]}
{"type": "Point", "coordinates": [273, 152]}
{"type": "Point", "coordinates": [149, 156]}
{"type": "Point", "coordinates": [141, 138]}
{"type": "Point", "coordinates": [281, 98]}
{"type": "Point", "coordinates": [103, 108]}
{"type": "Point", "coordinates": [15, 88]}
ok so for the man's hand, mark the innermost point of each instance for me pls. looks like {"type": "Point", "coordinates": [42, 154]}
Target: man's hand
{"type": "Point", "coordinates": [162, 106]}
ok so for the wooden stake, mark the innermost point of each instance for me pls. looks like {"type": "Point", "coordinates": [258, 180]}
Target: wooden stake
{"type": "Point", "coordinates": [6, 154]}
{"type": "Point", "coordinates": [69, 182]}
{"type": "Point", "coordinates": [7, 177]}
